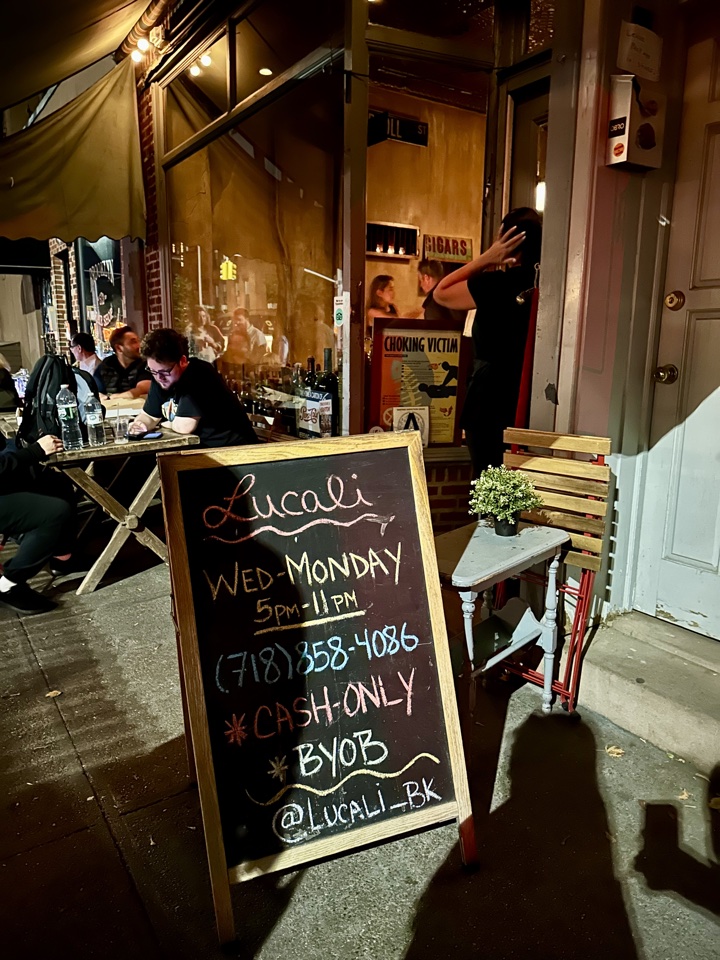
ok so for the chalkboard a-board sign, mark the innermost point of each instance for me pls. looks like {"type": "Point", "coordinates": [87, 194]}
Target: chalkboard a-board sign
{"type": "Point", "coordinates": [316, 675]}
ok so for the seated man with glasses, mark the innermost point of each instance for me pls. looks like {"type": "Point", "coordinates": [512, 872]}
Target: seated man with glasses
{"type": "Point", "coordinates": [189, 396]}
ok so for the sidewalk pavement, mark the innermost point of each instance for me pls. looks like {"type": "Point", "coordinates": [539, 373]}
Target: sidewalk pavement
{"type": "Point", "coordinates": [102, 847]}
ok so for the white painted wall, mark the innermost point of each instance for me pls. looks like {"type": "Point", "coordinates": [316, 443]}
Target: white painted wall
{"type": "Point", "coordinates": [614, 279]}
{"type": "Point", "coordinates": [19, 320]}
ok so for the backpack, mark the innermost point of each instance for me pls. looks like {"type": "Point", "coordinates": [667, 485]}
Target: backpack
{"type": "Point", "coordinates": [39, 408]}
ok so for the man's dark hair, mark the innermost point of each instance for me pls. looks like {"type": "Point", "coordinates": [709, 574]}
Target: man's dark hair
{"type": "Point", "coordinates": [84, 341]}
{"type": "Point", "coordinates": [164, 345]}
{"type": "Point", "coordinates": [431, 268]}
{"type": "Point", "coordinates": [118, 335]}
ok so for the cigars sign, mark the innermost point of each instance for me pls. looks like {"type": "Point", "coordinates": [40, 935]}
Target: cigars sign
{"type": "Point", "coordinates": [452, 249]}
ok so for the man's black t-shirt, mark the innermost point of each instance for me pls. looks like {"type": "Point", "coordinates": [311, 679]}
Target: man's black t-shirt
{"type": "Point", "coordinates": [433, 311]}
{"type": "Point", "coordinates": [201, 393]}
{"type": "Point", "coordinates": [112, 377]}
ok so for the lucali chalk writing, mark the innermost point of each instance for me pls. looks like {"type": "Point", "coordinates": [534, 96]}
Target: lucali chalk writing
{"type": "Point", "coordinates": [294, 822]}
{"type": "Point", "coordinates": [311, 571]}
{"type": "Point", "coordinates": [278, 662]}
{"type": "Point", "coordinates": [309, 502]}
{"type": "Point", "coordinates": [358, 698]}
{"type": "Point", "coordinates": [386, 775]}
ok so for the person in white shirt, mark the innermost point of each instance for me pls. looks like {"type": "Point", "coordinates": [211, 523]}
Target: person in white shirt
{"type": "Point", "coordinates": [82, 347]}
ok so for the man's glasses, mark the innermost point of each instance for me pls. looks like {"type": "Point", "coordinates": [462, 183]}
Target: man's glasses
{"type": "Point", "coordinates": [163, 374]}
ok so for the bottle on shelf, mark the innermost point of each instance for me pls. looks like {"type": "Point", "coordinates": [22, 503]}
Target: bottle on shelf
{"type": "Point", "coordinates": [298, 380]}
{"type": "Point", "coordinates": [94, 422]}
{"type": "Point", "coordinates": [67, 410]}
{"type": "Point", "coordinates": [310, 376]}
{"type": "Point", "coordinates": [327, 382]}
{"type": "Point", "coordinates": [246, 396]}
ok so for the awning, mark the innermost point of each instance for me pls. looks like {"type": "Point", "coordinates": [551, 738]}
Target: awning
{"type": "Point", "coordinates": [78, 172]}
{"type": "Point", "coordinates": [49, 40]}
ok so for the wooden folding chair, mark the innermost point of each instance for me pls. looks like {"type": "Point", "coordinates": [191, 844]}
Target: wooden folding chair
{"type": "Point", "coordinates": [572, 479]}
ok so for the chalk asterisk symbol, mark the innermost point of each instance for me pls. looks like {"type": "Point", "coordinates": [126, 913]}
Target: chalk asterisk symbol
{"type": "Point", "coordinates": [237, 731]}
{"type": "Point", "coordinates": [278, 768]}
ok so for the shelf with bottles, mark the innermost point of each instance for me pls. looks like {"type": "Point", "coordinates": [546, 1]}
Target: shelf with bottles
{"type": "Point", "coordinates": [296, 401]}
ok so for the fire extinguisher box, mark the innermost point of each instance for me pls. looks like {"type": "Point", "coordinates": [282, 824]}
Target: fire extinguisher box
{"type": "Point", "coordinates": [637, 123]}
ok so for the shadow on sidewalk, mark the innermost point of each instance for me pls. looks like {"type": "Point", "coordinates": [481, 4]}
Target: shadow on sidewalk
{"type": "Point", "coordinates": [668, 866]}
{"type": "Point", "coordinates": [545, 886]}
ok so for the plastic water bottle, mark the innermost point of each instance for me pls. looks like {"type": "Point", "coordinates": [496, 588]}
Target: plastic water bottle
{"type": "Point", "coordinates": [94, 422]}
{"type": "Point", "coordinates": [67, 410]}
{"type": "Point", "coordinates": [21, 379]}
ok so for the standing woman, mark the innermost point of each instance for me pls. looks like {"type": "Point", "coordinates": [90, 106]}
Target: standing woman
{"type": "Point", "coordinates": [498, 284]}
{"type": "Point", "coordinates": [209, 339]}
{"type": "Point", "coordinates": [380, 303]}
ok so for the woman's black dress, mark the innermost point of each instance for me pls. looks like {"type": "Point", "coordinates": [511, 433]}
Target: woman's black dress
{"type": "Point", "coordinates": [499, 334]}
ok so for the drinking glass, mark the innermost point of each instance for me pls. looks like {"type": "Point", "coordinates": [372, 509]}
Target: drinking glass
{"type": "Point", "coordinates": [120, 425]}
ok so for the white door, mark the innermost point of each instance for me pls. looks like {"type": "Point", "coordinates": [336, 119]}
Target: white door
{"type": "Point", "coordinates": [679, 570]}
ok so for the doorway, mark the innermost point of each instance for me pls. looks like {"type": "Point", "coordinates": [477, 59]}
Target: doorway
{"type": "Point", "coordinates": [531, 107]}
{"type": "Point", "coordinates": [678, 577]}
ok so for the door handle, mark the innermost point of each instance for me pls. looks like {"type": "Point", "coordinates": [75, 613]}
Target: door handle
{"type": "Point", "coordinates": [675, 300]}
{"type": "Point", "coordinates": [666, 374]}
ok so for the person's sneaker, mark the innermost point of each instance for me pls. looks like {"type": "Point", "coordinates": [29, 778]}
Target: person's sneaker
{"type": "Point", "coordinates": [24, 599]}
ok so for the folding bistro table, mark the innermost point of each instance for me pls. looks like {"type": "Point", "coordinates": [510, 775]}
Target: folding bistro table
{"type": "Point", "coordinates": [78, 466]}
{"type": "Point", "coordinates": [472, 560]}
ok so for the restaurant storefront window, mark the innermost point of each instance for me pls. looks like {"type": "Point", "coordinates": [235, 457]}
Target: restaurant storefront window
{"type": "Point", "coordinates": [276, 172]}
{"type": "Point", "coordinates": [255, 241]}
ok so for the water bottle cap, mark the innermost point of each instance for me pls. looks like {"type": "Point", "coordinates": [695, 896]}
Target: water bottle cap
{"type": "Point", "coordinates": [62, 386]}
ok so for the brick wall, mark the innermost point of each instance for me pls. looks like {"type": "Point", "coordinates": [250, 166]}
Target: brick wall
{"type": "Point", "coordinates": [449, 492]}
{"type": "Point", "coordinates": [153, 290]}
{"type": "Point", "coordinates": [59, 293]}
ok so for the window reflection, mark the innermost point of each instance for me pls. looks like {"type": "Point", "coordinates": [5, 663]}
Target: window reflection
{"type": "Point", "coordinates": [250, 214]}
{"type": "Point", "coordinates": [205, 82]}
{"type": "Point", "coordinates": [541, 25]}
{"type": "Point", "coordinates": [452, 19]}
{"type": "Point", "coordinates": [279, 33]}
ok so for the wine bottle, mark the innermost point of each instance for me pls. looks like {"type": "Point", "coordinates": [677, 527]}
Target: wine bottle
{"type": "Point", "coordinates": [310, 376]}
{"type": "Point", "coordinates": [327, 382]}
{"type": "Point", "coordinates": [298, 380]}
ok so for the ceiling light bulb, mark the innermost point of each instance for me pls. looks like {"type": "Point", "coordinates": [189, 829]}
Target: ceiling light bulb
{"type": "Point", "coordinates": [265, 72]}
{"type": "Point", "coordinates": [195, 70]}
{"type": "Point", "coordinates": [143, 44]}
{"type": "Point", "coordinates": [206, 59]}
{"type": "Point", "coordinates": [136, 56]}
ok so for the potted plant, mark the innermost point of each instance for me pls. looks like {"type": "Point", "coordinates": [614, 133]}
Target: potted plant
{"type": "Point", "coordinates": [503, 495]}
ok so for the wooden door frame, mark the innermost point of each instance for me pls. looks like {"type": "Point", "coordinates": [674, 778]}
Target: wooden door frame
{"type": "Point", "coordinates": [561, 65]}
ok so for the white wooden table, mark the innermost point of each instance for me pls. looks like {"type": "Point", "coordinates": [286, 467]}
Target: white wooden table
{"type": "Point", "coordinates": [78, 466]}
{"type": "Point", "coordinates": [474, 558]}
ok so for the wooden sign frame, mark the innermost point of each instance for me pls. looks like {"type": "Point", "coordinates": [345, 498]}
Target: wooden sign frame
{"type": "Point", "coordinates": [222, 874]}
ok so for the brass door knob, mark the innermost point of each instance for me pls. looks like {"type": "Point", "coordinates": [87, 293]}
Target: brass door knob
{"type": "Point", "coordinates": [675, 300]}
{"type": "Point", "coordinates": [666, 374]}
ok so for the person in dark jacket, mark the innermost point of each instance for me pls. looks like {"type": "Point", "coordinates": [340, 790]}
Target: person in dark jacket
{"type": "Point", "coordinates": [37, 507]}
